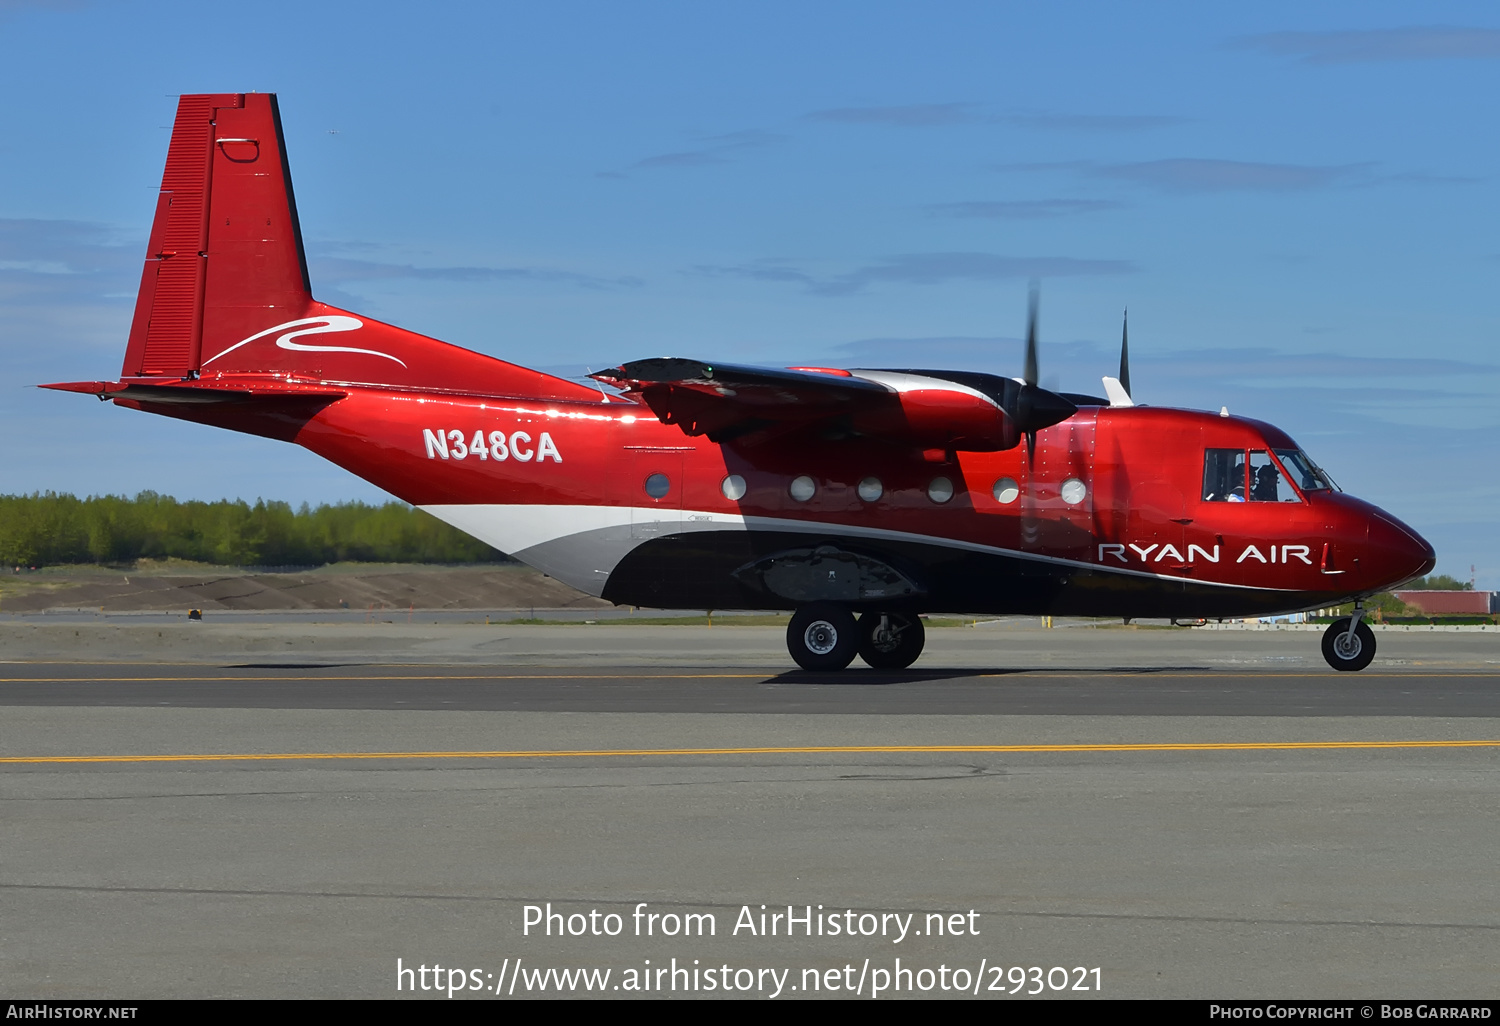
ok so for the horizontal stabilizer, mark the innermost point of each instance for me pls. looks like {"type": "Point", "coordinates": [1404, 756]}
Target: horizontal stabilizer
{"type": "Point", "coordinates": [193, 393]}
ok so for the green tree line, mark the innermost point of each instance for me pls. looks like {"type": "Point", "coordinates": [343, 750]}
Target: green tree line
{"type": "Point", "coordinates": [1438, 582]}
{"type": "Point", "coordinates": [48, 528]}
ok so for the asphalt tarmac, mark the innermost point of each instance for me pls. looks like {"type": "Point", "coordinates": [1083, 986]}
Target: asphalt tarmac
{"type": "Point", "coordinates": [294, 828]}
{"type": "Point", "coordinates": [1120, 692]}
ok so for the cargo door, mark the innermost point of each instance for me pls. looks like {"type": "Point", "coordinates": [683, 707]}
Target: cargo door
{"type": "Point", "coordinates": [1156, 527]}
{"type": "Point", "coordinates": [1159, 508]}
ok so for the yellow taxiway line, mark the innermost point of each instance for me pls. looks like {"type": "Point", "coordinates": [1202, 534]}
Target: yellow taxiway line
{"type": "Point", "coordinates": [616, 753]}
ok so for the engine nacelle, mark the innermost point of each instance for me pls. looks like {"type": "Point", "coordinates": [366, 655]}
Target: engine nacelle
{"type": "Point", "coordinates": [939, 417]}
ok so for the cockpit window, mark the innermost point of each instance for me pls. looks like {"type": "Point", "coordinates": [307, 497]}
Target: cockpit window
{"type": "Point", "coordinates": [1224, 475]}
{"type": "Point", "coordinates": [1267, 483]}
{"type": "Point", "coordinates": [1238, 475]}
{"type": "Point", "coordinates": [1308, 475]}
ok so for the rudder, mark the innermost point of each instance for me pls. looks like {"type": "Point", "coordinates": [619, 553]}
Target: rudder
{"type": "Point", "coordinates": [225, 244]}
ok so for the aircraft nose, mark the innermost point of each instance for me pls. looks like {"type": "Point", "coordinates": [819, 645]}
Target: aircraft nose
{"type": "Point", "coordinates": [1428, 557]}
{"type": "Point", "coordinates": [1406, 552]}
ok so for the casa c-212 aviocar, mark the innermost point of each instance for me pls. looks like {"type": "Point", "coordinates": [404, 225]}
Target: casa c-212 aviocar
{"type": "Point", "coordinates": [858, 499]}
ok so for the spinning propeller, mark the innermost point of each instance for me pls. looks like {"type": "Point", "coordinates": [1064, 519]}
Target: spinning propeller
{"type": "Point", "coordinates": [1035, 407]}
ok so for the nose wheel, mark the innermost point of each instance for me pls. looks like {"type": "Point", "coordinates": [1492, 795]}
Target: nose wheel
{"type": "Point", "coordinates": [891, 641]}
{"type": "Point", "coordinates": [1347, 649]}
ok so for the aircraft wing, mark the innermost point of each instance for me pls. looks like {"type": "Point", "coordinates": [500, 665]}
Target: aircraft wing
{"type": "Point", "coordinates": [726, 401]}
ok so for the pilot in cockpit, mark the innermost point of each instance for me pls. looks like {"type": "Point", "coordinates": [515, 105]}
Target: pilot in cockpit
{"type": "Point", "coordinates": [1224, 475]}
{"type": "Point", "coordinates": [1234, 489]}
{"type": "Point", "coordinates": [1264, 489]}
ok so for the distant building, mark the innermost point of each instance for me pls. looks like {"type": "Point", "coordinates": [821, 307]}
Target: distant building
{"type": "Point", "coordinates": [1449, 603]}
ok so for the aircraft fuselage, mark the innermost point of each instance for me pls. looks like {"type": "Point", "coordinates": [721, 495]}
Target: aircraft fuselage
{"type": "Point", "coordinates": [1107, 518]}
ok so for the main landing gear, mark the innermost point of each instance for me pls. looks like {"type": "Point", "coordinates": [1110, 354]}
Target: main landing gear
{"type": "Point", "coordinates": [1349, 644]}
{"type": "Point", "coordinates": [825, 636]}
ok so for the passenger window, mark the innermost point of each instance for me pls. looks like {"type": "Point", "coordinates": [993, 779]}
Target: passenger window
{"type": "Point", "coordinates": [1224, 475]}
{"type": "Point", "coordinates": [1267, 483]}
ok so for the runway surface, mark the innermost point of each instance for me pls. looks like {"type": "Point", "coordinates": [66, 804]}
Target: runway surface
{"type": "Point", "coordinates": [294, 829]}
{"type": "Point", "coordinates": [1125, 691]}
{"type": "Point", "coordinates": [620, 647]}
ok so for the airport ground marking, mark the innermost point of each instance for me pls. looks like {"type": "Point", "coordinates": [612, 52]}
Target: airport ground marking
{"type": "Point", "coordinates": [407, 677]}
{"type": "Point", "coordinates": [620, 753]}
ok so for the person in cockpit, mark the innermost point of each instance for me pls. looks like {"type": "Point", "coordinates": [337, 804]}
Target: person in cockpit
{"type": "Point", "coordinates": [1264, 489]}
{"type": "Point", "coordinates": [1236, 491]}
{"type": "Point", "coordinates": [1224, 475]}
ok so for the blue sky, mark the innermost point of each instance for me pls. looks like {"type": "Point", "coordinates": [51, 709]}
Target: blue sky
{"type": "Point", "coordinates": [1297, 202]}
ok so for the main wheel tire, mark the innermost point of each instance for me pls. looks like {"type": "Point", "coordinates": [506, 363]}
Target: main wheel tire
{"type": "Point", "coordinates": [1345, 653]}
{"type": "Point", "coordinates": [894, 646]}
{"type": "Point", "coordinates": [822, 636]}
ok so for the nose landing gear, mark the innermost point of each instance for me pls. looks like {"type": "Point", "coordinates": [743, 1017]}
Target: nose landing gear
{"type": "Point", "coordinates": [824, 636]}
{"type": "Point", "coordinates": [1349, 644]}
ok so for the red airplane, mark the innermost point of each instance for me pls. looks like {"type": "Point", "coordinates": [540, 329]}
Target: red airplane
{"type": "Point", "coordinates": [858, 499]}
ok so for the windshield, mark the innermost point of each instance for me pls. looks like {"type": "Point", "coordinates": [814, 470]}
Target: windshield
{"type": "Point", "coordinates": [1308, 475]}
{"type": "Point", "coordinates": [1251, 475]}
{"type": "Point", "coordinates": [1267, 484]}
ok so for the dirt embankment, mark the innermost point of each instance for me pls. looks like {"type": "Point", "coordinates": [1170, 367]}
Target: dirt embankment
{"type": "Point", "coordinates": [177, 588]}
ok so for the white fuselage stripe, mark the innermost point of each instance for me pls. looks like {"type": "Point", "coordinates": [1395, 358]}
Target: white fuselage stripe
{"type": "Point", "coordinates": [514, 528]}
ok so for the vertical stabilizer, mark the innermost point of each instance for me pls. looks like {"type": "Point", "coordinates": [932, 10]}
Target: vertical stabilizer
{"type": "Point", "coordinates": [225, 249]}
{"type": "Point", "coordinates": [225, 289]}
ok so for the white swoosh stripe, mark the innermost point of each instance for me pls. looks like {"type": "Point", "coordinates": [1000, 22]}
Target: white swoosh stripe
{"type": "Point", "coordinates": [313, 326]}
{"type": "Point", "coordinates": [513, 528]}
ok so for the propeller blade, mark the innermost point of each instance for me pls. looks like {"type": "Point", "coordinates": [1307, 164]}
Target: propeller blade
{"type": "Point", "coordinates": [1035, 407]}
{"type": "Point", "coordinates": [1125, 353]}
{"type": "Point", "coordinates": [1029, 375]}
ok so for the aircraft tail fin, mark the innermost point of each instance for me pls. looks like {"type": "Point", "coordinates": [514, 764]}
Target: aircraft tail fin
{"type": "Point", "coordinates": [225, 245]}
{"type": "Point", "coordinates": [225, 287]}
